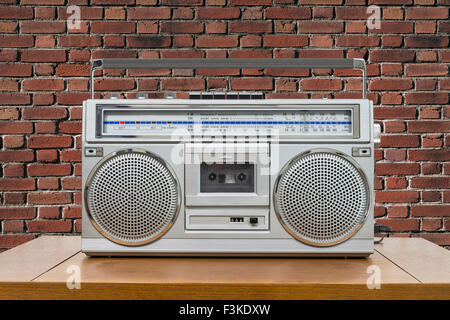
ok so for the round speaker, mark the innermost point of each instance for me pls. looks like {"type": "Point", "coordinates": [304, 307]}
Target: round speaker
{"type": "Point", "coordinates": [321, 197]}
{"type": "Point", "coordinates": [132, 197]}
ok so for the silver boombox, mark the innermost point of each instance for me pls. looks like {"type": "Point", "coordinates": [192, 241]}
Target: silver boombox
{"type": "Point", "coordinates": [239, 176]}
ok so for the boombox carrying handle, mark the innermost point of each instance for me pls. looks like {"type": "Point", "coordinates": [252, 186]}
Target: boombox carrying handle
{"type": "Point", "coordinates": [99, 64]}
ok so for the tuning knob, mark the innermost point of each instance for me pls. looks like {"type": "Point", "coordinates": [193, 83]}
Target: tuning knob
{"type": "Point", "coordinates": [376, 135]}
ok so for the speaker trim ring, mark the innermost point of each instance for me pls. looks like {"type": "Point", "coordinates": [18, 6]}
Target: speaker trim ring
{"type": "Point", "coordinates": [337, 153]}
{"type": "Point", "coordinates": [91, 176]}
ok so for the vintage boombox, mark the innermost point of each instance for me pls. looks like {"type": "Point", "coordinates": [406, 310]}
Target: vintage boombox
{"type": "Point", "coordinates": [240, 176]}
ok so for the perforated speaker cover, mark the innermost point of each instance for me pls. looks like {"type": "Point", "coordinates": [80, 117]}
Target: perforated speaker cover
{"type": "Point", "coordinates": [132, 197]}
{"type": "Point", "coordinates": [321, 198]}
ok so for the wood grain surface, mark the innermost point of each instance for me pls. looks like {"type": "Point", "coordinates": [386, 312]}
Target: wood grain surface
{"type": "Point", "coordinates": [41, 268]}
{"type": "Point", "coordinates": [33, 258]}
{"type": "Point", "coordinates": [426, 261]}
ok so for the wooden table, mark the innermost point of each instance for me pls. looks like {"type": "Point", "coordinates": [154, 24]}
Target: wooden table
{"type": "Point", "coordinates": [411, 268]}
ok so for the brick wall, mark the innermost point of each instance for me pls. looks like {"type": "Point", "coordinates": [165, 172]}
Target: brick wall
{"type": "Point", "coordinates": [44, 72]}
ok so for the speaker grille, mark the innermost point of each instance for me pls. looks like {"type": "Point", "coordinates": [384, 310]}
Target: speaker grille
{"type": "Point", "coordinates": [321, 198]}
{"type": "Point", "coordinates": [132, 198]}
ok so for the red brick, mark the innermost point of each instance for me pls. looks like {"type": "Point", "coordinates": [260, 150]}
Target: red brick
{"type": "Point", "coordinates": [320, 27]}
{"type": "Point", "coordinates": [395, 154]}
{"type": "Point", "coordinates": [430, 210]}
{"type": "Point", "coordinates": [13, 226]}
{"type": "Point", "coordinates": [183, 13]}
{"type": "Point", "coordinates": [114, 84]}
{"type": "Point", "coordinates": [431, 224]}
{"type": "Point", "coordinates": [379, 211]}
{"type": "Point", "coordinates": [71, 183]}
{"type": "Point", "coordinates": [43, 70]}
{"type": "Point", "coordinates": [285, 41]}
{"type": "Point", "coordinates": [79, 41]}
{"type": "Point", "coordinates": [425, 27]}
{"type": "Point", "coordinates": [16, 155]}
{"type": "Point", "coordinates": [40, 55]}
{"type": "Point", "coordinates": [17, 184]}
{"type": "Point", "coordinates": [15, 70]}
{"type": "Point", "coordinates": [427, 56]}
{"type": "Point", "coordinates": [148, 41]}
{"type": "Point", "coordinates": [147, 27]}
{"type": "Point", "coordinates": [396, 183]}
{"type": "Point", "coordinates": [16, 13]}
{"type": "Point", "coordinates": [426, 98]}
{"type": "Point", "coordinates": [400, 141]}
{"type": "Point", "coordinates": [247, 2]}
{"type": "Point", "coordinates": [251, 84]}
{"type": "Point", "coordinates": [183, 84]}
{"type": "Point", "coordinates": [113, 27]}
{"type": "Point", "coordinates": [47, 155]}
{"type": "Point", "coordinates": [252, 13]}
{"type": "Point", "coordinates": [14, 41]}
{"type": "Point", "coordinates": [430, 182]}
{"type": "Point", "coordinates": [429, 155]}
{"type": "Point", "coordinates": [113, 2]}
{"type": "Point", "coordinates": [400, 224]}
{"type": "Point", "coordinates": [218, 13]}
{"type": "Point", "coordinates": [13, 142]}
{"type": "Point", "coordinates": [43, 84]}
{"type": "Point", "coordinates": [217, 41]}
{"type": "Point", "coordinates": [71, 98]}
{"type": "Point", "coordinates": [17, 213]}
{"type": "Point", "coordinates": [49, 213]}
{"type": "Point", "coordinates": [426, 41]}
{"type": "Point", "coordinates": [45, 127]}
{"type": "Point", "coordinates": [49, 141]}
{"type": "Point", "coordinates": [182, 2]}
{"type": "Point", "coordinates": [388, 169]}
{"type": "Point", "coordinates": [216, 27]}
{"type": "Point", "coordinates": [426, 84]}
{"type": "Point", "coordinates": [49, 198]}
{"type": "Point", "coordinates": [393, 13]}
{"type": "Point", "coordinates": [49, 170]}
{"type": "Point", "coordinates": [431, 196]}
{"type": "Point", "coordinates": [426, 69]}
{"type": "Point", "coordinates": [394, 98]}
{"type": "Point", "coordinates": [398, 211]}
{"type": "Point", "coordinates": [426, 13]}
{"type": "Point", "coordinates": [48, 183]}
{"type": "Point", "coordinates": [349, 13]}
{"type": "Point", "coordinates": [445, 198]}
{"type": "Point", "coordinates": [396, 196]}
{"type": "Point", "coordinates": [13, 170]}
{"type": "Point", "coordinates": [181, 27]}
{"type": "Point", "coordinates": [432, 141]}
{"type": "Point", "coordinates": [43, 2]}
{"type": "Point", "coordinates": [148, 13]}
{"type": "Point", "coordinates": [391, 41]}
{"type": "Point", "coordinates": [390, 84]}
{"type": "Point", "coordinates": [429, 126]}
{"type": "Point", "coordinates": [250, 27]}
{"type": "Point", "coordinates": [394, 126]}
{"type": "Point", "coordinates": [43, 99]}
{"type": "Point", "coordinates": [431, 112]}
{"type": "Point", "coordinates": [42, 27]}
{"type": "Point", "coordinates": [321, 84]}
{"type": "Point", "coordinates": [357, 41]}
{"type": "Point", "coordinates": [72, 212]}
{"type": "Point", "coordinates": [389, 55]}
{"type": "Point", "coordinates": [72, 70]}
{"type": "Point", "coordinates": [70, 127]}
{"type": "Point", "coordinates": [288, 13]}
{"type": "Point", "coordinates": [44, 226]}
{"type": "Point", "coordinates": [9, 85]}
{"type": "Point", "coordinates": [431, 168]}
